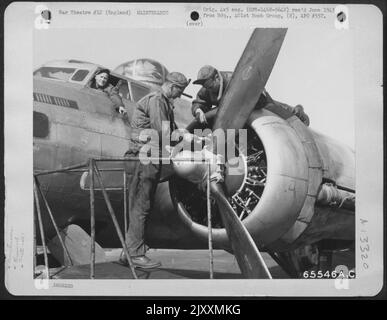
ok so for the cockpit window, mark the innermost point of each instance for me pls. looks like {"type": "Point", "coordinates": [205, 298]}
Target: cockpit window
{"type": "Point", "coordinates": [54, 73]}
{"type": "Point", "coordinates": [139, 91]}
{"type": "Point", "coordinates": [80, 75]}
{"type": "Point", "coordinates": [119, 83]}
{"type": "Point", "coordinates": [123, 89]}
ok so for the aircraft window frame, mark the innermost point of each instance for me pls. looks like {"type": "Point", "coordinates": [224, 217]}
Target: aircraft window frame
{"type": "Point", "coordinates": [79, 71]}
{"type": "Point", "coordinates": [115, 81]}
{"type": "Point", "coordinates": [52, 78]}
{"type": "Point", "coordinates": [40, 125]}
{"type": "Point", "coordinates": [132, 83]}
{"type": "Point", "coordinates": [93, 74]}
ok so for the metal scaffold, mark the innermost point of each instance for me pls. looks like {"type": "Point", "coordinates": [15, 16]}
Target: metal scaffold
{"type": "Point", "coordinates": [91, 166]}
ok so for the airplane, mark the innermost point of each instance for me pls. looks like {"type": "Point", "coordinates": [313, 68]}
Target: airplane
{"type": "Point", "coordinates": [296, 192]}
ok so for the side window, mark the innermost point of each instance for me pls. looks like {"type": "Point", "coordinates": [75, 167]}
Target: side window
{"type": "Point", "coordinates": [80, 75]}
{"type": "Point", "coordinates": [112, 80]}
{"type": "Point", "coordinates": [119, 83]}
{"type": "Point", "coordinates": [54, 73]}
{"type": "Point", "coordinates": [40, 125]}
{"type": "Point", "coordinates": [138, 91]}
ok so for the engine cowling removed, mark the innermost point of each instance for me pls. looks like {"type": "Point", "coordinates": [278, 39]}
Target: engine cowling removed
{"type": "Point", "coordinates": [244, 177]}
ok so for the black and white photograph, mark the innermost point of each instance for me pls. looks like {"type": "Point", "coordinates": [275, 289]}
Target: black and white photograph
{"type": "Point", "coordinates": [187, 155]}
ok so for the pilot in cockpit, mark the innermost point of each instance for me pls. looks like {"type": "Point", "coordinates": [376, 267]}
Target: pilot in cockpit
{"type": "Point", "coordinates": [101, 82]}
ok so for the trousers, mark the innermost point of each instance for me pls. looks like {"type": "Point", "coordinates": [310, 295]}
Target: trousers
{"type": "Point", "coordinates": [143, 179]}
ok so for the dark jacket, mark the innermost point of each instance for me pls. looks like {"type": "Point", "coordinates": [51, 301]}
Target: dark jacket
{"type": "Point", "coordinates": [207, 99]}
{"type": "Point", "coordinates": [112, 92]}
{"type": "Point", "coordinates": [150, 112]}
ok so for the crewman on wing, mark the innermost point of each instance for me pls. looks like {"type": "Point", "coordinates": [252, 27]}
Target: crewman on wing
{"type": "Point", "coordinates": [101, 82]}
{"type": "Point", "coordinates": [214, 84]}
{"type": "Point", "coordinates": [150, 113]}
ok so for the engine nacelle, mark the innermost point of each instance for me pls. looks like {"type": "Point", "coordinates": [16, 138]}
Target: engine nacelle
{"type": "Point", "coordinates": [285, 214]}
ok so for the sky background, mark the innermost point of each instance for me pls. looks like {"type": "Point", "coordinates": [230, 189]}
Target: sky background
{"type": "Point", "coordinates": [314, 67]}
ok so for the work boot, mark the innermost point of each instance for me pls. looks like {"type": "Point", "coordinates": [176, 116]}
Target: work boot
{"type": "Point", "coordinates": [142, 262]}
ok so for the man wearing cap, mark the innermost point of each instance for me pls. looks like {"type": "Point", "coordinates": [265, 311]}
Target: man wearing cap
{"type": "Point", "coordinates": [101, 82]}
{"type": "Point", "coordinates": [150, 113]}
{"type": "Point", "coordinates": [214, 84]}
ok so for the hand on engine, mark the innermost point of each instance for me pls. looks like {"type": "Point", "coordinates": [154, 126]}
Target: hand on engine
{"type": "Point", "coordinates": [300, 113]}
{"type": "Point", "coordinates": [121, 110]}
{"type": "Point", "coordinates": [298, 110]}
{"type": "Point", "coordinates": [169, 149]}
{"type": "Point", "coordinates": [189, 138]}
{"type": "Point", "coordinates": [200, 116]}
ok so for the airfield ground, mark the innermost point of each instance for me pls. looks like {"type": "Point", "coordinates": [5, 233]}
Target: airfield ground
{"type": "Point", "coordinates": [176, 264]}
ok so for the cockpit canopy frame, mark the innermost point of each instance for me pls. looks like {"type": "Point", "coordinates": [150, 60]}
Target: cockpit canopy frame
{"type": "Point", "coordinates": [82, 73]}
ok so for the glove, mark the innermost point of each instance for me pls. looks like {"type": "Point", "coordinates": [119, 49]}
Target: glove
{"type": "Point", "coordinates": [121, 110]}
{"type": "Point", "coordinates": [199, 115]}
{"type": "Point", "coordinates": [299, 112]}
{"type": "Point", "coordinates": [189, 137]}
{"type": "Point", "coordinates": [169, 149]}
